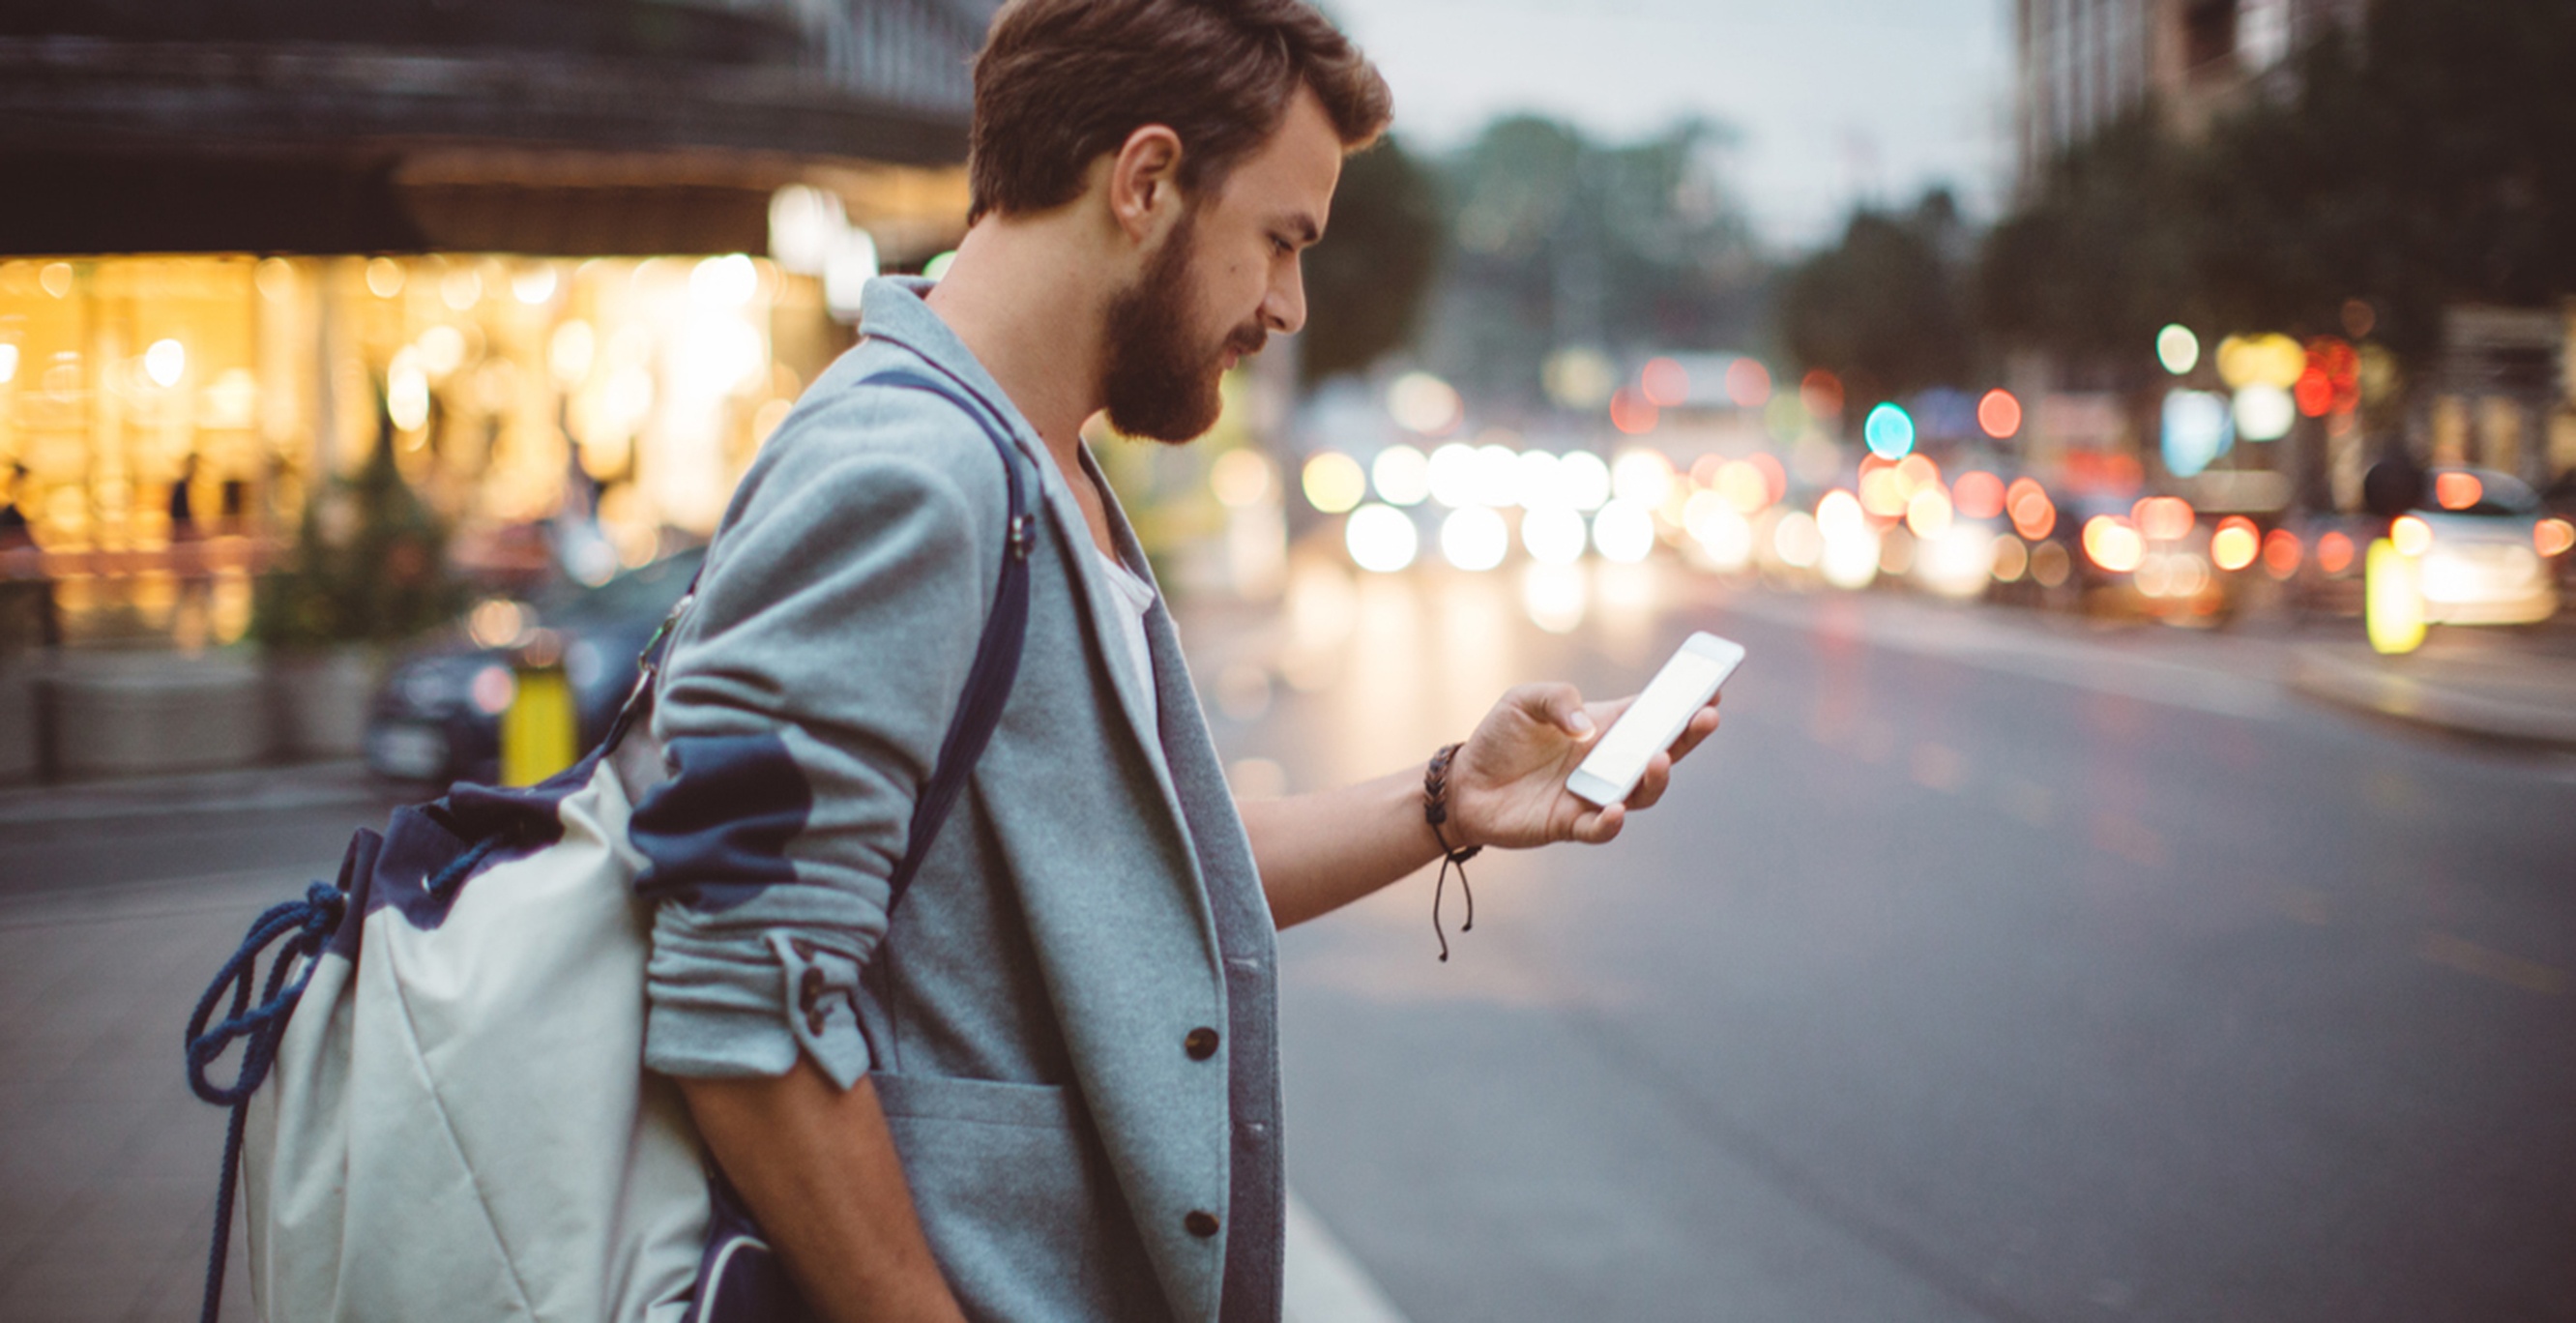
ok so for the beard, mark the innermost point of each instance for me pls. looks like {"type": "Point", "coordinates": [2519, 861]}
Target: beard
{"type": "Point", "coordinates": [1161, 377]}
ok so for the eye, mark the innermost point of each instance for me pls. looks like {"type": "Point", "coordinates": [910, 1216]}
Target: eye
{"type": "Point", "coordinates": [1282, 246]}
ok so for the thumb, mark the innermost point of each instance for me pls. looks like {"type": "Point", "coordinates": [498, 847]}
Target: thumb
{"type": "Point", "coordinates": [1561, 706]}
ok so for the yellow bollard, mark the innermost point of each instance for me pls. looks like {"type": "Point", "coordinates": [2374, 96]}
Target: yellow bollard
{"type": "Point", "coordinates": [2392, 598]}
{"type": "Point", "coordinates": [539, 730]}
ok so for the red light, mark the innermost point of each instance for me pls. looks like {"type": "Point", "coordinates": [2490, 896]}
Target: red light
{"type": "Point", "coordinates": [1748, 383]}
{"type": "Point", "coordinates": [2164, 518]}
{"type": "Point", "coordinates": [1979, 495]}
{"type": "Point", "coordinates": [2033, 514]}
{"type": "Point", "coordinates": [1665, 382]}
{"type": "Point", "coordinates": [2334, 553]}
{"type": "Point", "coordinates": [1632, 413]}
{"type": "Point", "coordinates": [2315, 394]}
{"type": "Point", "coordinates": [2457, 491]}
{"type": "Point", "coordinates": [1822, 393]}
{"type": "Point", "coordinates": [1999, 413]}
{"type": "Point", "coordinates": [2281, 553]}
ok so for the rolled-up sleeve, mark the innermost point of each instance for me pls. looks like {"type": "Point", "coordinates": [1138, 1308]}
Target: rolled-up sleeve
{"type": "Point", "coordinates": [806, 699]}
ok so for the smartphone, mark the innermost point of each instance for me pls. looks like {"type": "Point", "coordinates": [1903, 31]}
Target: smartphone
{"type": "Point", "coordinates": [1656, 719]}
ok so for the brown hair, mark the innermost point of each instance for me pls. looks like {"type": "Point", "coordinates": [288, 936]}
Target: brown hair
{"type": "Point", "coordinates": [1061, 82]}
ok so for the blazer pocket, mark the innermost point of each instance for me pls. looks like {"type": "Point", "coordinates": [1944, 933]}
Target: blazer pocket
{"type": "Point", "coordinates": [1018, 1200]}
{"type": "Point", "coordinates": [979, 1102]}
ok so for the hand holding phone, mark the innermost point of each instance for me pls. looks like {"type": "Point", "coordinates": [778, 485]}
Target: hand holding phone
{"type": "Point", "coordinates": [1655, 719]}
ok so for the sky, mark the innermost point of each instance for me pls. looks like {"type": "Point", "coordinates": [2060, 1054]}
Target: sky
{"type": "Point", "coordinates": [1833, 101]}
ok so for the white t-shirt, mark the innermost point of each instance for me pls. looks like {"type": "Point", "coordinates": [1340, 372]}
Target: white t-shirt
{"type": "Point", "coordinates": [1136, 598]}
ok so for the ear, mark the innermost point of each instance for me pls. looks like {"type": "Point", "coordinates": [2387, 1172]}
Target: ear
{"type": "Point", "coordinates": [1144, 182]}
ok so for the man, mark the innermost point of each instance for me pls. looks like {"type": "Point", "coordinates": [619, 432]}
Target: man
{"type": "Point", "coordinates": [1047, 1087]}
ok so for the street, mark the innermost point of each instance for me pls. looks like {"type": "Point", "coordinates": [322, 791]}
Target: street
{"type": "Point", "coordinates": [1983, 966]}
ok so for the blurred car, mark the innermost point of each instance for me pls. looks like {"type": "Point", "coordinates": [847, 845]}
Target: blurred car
{"type": "Point", "coordinates": [2482, 564]}
{"type": "Point", "coordinates": [437, 717]}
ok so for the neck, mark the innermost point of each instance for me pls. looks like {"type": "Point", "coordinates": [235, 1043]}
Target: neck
{"type": "Point", "coordinates": [1031, 313]}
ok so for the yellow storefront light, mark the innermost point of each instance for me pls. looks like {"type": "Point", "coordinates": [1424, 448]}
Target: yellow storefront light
{"type": "Point", "coordinates": [2393, 599]}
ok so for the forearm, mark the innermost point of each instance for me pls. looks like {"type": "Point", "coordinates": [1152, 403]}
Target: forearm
{"type": "Point", "coordinates": [818, 1167]}
{"type": "Point", "coordinates": [1320, 852]}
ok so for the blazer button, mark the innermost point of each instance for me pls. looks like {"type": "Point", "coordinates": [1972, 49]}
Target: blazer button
{"type": "Point", "coordinates": [1200, 1223]}
{"type": "Point", "coordinates": [1201, 1043]}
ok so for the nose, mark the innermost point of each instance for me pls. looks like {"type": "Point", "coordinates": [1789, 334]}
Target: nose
{"type": "Point", "coordinates": [1283, 308]}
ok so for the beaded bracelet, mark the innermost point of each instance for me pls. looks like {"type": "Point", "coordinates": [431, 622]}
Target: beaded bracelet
{"type": "Point", "coordinates": [1435, 810]}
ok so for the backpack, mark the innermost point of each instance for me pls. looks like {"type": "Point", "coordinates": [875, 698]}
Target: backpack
{"type": "Point", "coordinates": [458, 1122]}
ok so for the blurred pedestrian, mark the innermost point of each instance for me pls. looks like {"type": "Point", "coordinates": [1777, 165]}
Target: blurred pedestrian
{"type": "Point", "coordinates": [1047, 1086]}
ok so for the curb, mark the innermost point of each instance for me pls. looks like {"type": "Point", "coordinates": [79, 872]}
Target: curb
{"type": "Point", "coordinates": [2384, 688]}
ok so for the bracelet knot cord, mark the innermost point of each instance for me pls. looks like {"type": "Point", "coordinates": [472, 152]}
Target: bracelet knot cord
{"type": "Point", "coordinates": [1435, 810]}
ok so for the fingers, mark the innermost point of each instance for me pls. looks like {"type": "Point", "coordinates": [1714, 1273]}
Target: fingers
{"type": "Point", "coordinates": [1650, 787]}
{"type": "Point", "coordinates": [1702, 724]}
{"type": "Point", "coordinates": [1599, 825]}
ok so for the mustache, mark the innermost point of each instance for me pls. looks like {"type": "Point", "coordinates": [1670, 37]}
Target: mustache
{"type": "Point", "coordinates": [1248, 340]}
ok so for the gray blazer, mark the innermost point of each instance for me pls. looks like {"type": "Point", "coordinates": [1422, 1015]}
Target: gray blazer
{"type": "Point", "coordinates": [1072, 1018]}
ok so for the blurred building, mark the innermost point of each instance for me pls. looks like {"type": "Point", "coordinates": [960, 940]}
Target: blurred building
{"type": "Point", "coordinates": [2082, 65]}
{"type": "Point", "coordinates": [574, 257]}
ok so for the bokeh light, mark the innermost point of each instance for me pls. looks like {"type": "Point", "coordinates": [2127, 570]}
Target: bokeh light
{"type": "Point", "coordinates": [1821, 393]}
{"type": "Point", "coordinates": [165, 362]}
{"type": "Point", "coordinates": [2113, 544]}
{"type": "Point", "coordinates": [1748, 383]}
{"type": "Point", "coordinates": [1927, 513]}
{"type": "Point", "coordinates": [1623, 532]}
{"type": "Point", "coordinates": [1553, 534]}
{"type": "Point", "coordinates": [1381, 538]}
{"type": "Point", "coordinates": [1420, 402]}
{"type": "Point", "coordinates": [1978, 495]}
{"type": "Point", "coordinates": [1632, 413]}
{"type": "Point", "coordinates": [2281, 553]}
{"type": "Point", "coordinates": [2196, 429]}
{"type": "Point", "coordinates": [1240, 478]}
{"type": "Point", "coordinates": [1498, 475]}
{"type": "Point", "coordinates": [1534, 480]}
{"type": "Point", "coordinates": [2235, 544]}
{"type": "Point", "coordinates": [1795, 540]}
{"type": "Point", "coordinates": [2410, 535]}
{"type": "Point", "coordinates": [1451, 472]}
{"type": "Point", "coordinates": [1401, 474]}
{"type": "Point", "coordinates": [2012, 559]}
{"type": "Point", "coordinates": [2162, 518]}
{"type": "Point", "coordinates": [2334, 553]}
{"type": "Point", "coordinates": [1333, 482]}
{"type": "Point", "coordinates": [2178, 349]}
{"type": "Point", "coordinates": [2455, 490]}
{"type": "Point", "coordinates": [2264, 412]}
{"type": "Point", "coordinates": [1474, 538]}
{"type": "Point", "coordinates": [1665, 382]}
{"type": "Point", "coordinates": [1641, 477]}
{"type": "Point", "coordinates": [1888, 431]}
{"type": "Point", "coordinates": [2553, 537]}
{"type": "Point", "coordinates": [1999, 413]}
{"type": "Point", "coordinates": [1585, 479]}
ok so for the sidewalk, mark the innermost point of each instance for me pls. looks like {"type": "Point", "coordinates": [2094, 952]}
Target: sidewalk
{"type": "Point", "coordinates": [2506, 686]}
{"type": "Point", "coordinates": [234, 790]}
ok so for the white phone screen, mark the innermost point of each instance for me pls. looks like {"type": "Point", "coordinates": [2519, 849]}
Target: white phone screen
{"type": "Point", "coordinates": [1655, 718]}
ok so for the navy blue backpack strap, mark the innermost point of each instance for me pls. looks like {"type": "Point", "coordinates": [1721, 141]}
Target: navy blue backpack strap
{"type": "Point", "coordinates": [997, 654]}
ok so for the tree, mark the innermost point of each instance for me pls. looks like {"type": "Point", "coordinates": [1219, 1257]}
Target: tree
{"type": "Point", "coordinates": [2420, 164]}
{"type": "Point", "coordinates": [1560, 241]}
{"type": "Point", "coordinates": [1366, 281]}
{"type": "Point", "coordinates": [1886, 308]}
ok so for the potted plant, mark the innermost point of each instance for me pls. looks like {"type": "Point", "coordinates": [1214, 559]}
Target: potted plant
{"type": "Point", "coordinates": [369, 570]}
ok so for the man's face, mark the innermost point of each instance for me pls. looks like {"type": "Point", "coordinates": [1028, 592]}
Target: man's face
{"type": "Point", "coordinates": [1221, 281]}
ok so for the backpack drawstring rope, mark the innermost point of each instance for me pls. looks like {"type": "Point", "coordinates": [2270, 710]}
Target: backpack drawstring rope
{"type": "Point", "coordinates": [306, 926]}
